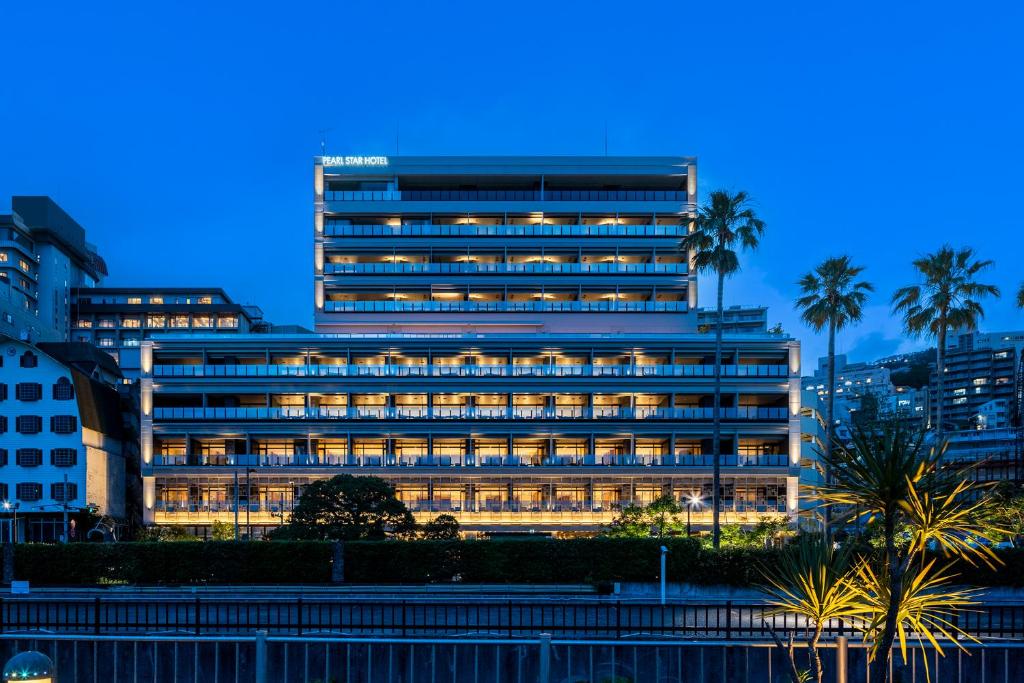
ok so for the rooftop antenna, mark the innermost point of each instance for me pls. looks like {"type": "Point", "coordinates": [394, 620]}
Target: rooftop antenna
{"type": "Point", "coordinates": [323, 140]}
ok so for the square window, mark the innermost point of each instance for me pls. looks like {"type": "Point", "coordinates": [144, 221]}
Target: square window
{"type": "Point", "coordinates": [29, 424]}
{"type": "Point", "coordinates": [28, 391]}
{"type": "Point", "coordinates": [63, 493]}
{"type": "Point", "coordinates": [28, 457]}
{"type": "Point", "coordinates": [64, 457]}
{"type": "Point", "coordinates": [29, 491]}
{"type": "Point", "coordinates": [63, 424]}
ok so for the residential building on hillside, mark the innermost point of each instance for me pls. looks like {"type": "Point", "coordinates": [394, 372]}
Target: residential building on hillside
{"type": "Point", "coordinates": [735, 319]}
{"type": "Point", "coordinates": [64, 446]}
{"type": "Point", "coordinates": [991, 455]}
{"type": "Point", "coordinates": [981, 368]}
{"type": "Point", "coordinates": [509, 340]}
{"type": "Point", "coordinates": [118, 319]}
{"type": "Point", "coordinates": [43, 256]}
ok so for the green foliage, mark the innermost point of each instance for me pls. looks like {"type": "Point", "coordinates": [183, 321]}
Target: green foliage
{"type": "Point", "coordinates": [441, 528]}
{"type": "Point", "coordinates": [152, 534]}
{"type": "Point", "coordinates": [347, 507]}
{"type": "Point", "coordinates": [767, 533]}
{"type": "Point", "coordinates": [222, 531]}
{"type": "Point", "coordinates": [662, 517]}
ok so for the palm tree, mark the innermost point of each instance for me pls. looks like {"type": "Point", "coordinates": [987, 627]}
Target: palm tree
{"type": "Point", "coordinates": [946, 299]}
{"type": "Point", "coordinates": [832, 299]}
{"type": "Point", "coordinates": [814, 580]}
{"type": "Point", "coordinates": [723, 224]}
{"type": "Point", "coordinates": [888, 476]}
{"type": "Point", "coordinates": [1020, 296]}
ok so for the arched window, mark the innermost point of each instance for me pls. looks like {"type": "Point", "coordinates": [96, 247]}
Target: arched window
{"type": "Point", "coordinates": [63, 390]}
{"type": "Point", "coordinates": [29, 360]}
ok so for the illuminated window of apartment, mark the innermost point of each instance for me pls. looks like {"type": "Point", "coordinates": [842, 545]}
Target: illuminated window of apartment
{"type": "Point", "coordinates": [83, 323]}
{"type": "Point", "coordinates": [179, 321]}
{"type": "Point", "coordinates": [23, 264]}
{"type": "Point", "coordinates": [156, 299]}
{"type": "Point", "coordinates": [106, 322]}
{"type": "Point", "coordinates": [131, 322]}
{"type": "Point", "coordinates": [205, 300]}
{"type": "Point", "coordinates": [105, 342]}
{"type": "Point", "coordinates": [979, 381]}
{"type": "Point", "coordinates": [3, 257]}
{"type": "Point", "coordinates": [135, 300]}
{"type": "Point", "coordinates": [227, 321]}
{"type": "Point", "coordinates": [959, 401]}
{"type": "Point", "coordinates": [202, 321]}
{"type": "Point", "coordinates": [959, 392]}
{"type": "Point", "coordinates": [156, 320]}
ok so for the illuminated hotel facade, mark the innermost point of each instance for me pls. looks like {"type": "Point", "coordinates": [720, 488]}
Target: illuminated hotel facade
{"type": "Point", "coordinates": [512, 341]}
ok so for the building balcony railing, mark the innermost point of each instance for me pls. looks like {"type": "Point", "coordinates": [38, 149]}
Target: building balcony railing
{"type": "Point", "coordinates": [468, 460]}
{"type": "Point", "coordinates": [507, 195]}
{"type": "Point", "coordinates": [504, 306]}
{"type": "Point", "coordinates": [508, 370]}
{"type": "Point", "coordinates": [509, 268]}
{"type": "Point", "coordinates": [414, 230]}
{"type": "Point", "coordinates": [467, 413]}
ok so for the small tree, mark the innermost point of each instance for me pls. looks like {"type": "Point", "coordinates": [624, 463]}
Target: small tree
{"type": "Point", "coordinates": [348, 508]}
{"type": "Point", "coordinates": [222, 531]}
{"type": "Point", "coordinates": [441, 528]}
{"type": "Point", "coordinates": [660, 518]}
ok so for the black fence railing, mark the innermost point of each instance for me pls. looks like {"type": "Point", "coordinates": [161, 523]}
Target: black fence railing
{"type": "Point", "coordinates": [432, 618]}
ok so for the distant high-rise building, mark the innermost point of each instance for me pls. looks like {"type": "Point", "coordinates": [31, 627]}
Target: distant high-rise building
{"type": "Point", "coordinates": [43, 256]}
{"type": "Point", "coordinates": [981, 368]}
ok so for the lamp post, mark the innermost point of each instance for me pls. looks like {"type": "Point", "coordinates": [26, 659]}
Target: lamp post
{"type": "Point", "coordinates": [664, 552]}
{"type": "Point", "coordinates": [12, 508]}
{"type": "Point", "coordinates": [690, 502]}
{"type": "Point", "coordinates": [29, 667]}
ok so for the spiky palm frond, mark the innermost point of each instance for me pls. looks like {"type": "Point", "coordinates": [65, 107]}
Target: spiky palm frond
{"type": "Point", "coordinates": [947, 297]}
{"type": "Point", "coordinates": [1020, 296]}
{"type": "Point", "coordinates": [815, 581]}
{"type": "Point", "coordinates": [725, 223]}
{"type": "Point", "coordinates": [947, 517]}
{"type": "Point", "coordinates": [928, 607]}
{"type": "Point", "coordinates": [831, 295]}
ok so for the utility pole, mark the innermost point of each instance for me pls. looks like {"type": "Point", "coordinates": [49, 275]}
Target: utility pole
{"type": "Point", "coordinates": [64, 506]}
{"type": "Point", "coordinates": [236, 499]}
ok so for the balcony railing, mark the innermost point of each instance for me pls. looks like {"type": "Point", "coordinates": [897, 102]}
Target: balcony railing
{"type": "Point", "coordinates": [507, 370]}
{"type": "Point", "coordinates": [504, 306]}
{"type": "Point", "coordinates": [467, 413]}
{"type": "Point", "coordinates": [502, 268]}
{"type": "Point", "coordinates": [467, 460]}
{"type": "Point", "coordinates": [507, 195]}
{"type": "Point", "coordinates": [413, 230]}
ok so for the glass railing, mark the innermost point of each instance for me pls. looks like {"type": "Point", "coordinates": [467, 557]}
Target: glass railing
{"type": "Point", "coordinates": [332, 229]}
{"type": "Point", "coordinates": [394, 370]}
{"type": "Point", "coordinates": [466, 413]}
{"type": "Point", "coordinates": [503, 306]}
{"type": "Point", "coordinates": [389, 268]}
{"type": "Point", "coordinates": [468, 460]}
{"type": "Point", "coordinates": [507, 195]}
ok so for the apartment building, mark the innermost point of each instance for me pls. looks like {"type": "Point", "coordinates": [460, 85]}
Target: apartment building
{"type": "Point", "coordinates": [43, 256]}
{"type": "Point", "coordinates": [735, 319]}
{"type": "Point", "coordinates": [118, 319]}
{"type": "Point", "coordinates": [509, 340]}
{"type": "Point", "coordinates": [983, 372]}
{"type": "Point", "coordinates": [63, 446]}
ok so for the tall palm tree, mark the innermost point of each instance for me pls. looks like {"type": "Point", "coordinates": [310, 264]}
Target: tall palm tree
{"type": "Point", "coordinates": [1020, 296]}
{"type": "Point", "coordinates": [889, 476]}
{"type": "Point", "coordinates": [946, 299]}
{"type": "Point", "coordinates": [724, 223]}
{"type": "Point", "coordinates": [832, 299]}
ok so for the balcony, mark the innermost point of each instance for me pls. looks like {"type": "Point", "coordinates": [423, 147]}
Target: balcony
{"type": "Point", "coordinates": [412, 230]}
{"type": "Point", "coordinates": [507, 195]}
{"type": "Point", "coordinates": [506, 268]}
{"type": "Point", "coordinates": [467, 413]}
{"type": "Point", "coordinates": [504, 306]}
{"type": "Point", "coordinates": [394, 370]}
{"type": "Point", "coordinates": [468, 460]}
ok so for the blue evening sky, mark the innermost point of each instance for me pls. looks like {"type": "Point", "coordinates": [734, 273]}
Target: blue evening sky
{"type": "Point", "coordinates": [182, 138]}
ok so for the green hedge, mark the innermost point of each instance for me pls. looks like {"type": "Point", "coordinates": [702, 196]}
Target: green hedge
{"type": "Point", "coordinates": [588, 560]}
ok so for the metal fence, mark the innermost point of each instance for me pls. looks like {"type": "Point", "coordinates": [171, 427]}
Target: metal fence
{"type": "Point", "coordinates": [575, 618]}
{"type": "Point", "coordinates": [261, 659]}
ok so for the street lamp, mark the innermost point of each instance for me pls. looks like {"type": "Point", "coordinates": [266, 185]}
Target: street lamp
{"type": "Point", "coordinates": [29, 667]}
{"type": "Point", "coordinates": [12, 508]}
{"type": "Point", "coordinates": [691, 501]}
{"type": "Point", "coordinates": [664, 552]}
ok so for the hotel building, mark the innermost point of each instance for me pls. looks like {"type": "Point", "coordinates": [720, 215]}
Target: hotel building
{"type": "Point", "coordinates": [509, 340]}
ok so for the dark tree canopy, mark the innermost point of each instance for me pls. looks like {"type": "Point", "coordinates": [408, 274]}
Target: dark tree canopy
{"type": "Point", "coordinates": [348, 508]}
{"type": "Point", "coordinates": [441, 528]}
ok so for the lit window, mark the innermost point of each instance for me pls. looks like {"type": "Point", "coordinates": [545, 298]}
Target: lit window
{"type": "Point", "coordinates": [156, 299]}
{"type": "Point", "coordinates": [131, 322]}
{"type": "Point", "coordinates": [3, 257]}
{"type": "Point", "coordinates": [135, 300]}
{"type": "Point", "coordinates": [179, 321]}
{"type": "Point", "coordinates": [205, 300]}
{"type": "Point", "coordinates": [227, 321]}
{"type": "Point", "coordinates": [156, 321]}
{"type": "Point", "coordinates": [23, 264]}
{"type": "Point", "coordinates": [83, 323]}
{"type": "Point", "coordinates": [959, 392]}
{"type": "Point", "coordinates": [105, 342]}
{"type": "Point", "coordinates": [959, 401]}
{"type": "Point", "coordinates": [202, 321]}
{"type": "Point", "coordinates": [978, 381]}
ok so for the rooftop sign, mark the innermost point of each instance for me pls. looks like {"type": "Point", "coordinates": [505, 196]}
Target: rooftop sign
{"type": "Point", "coordinates": [355, 161]}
